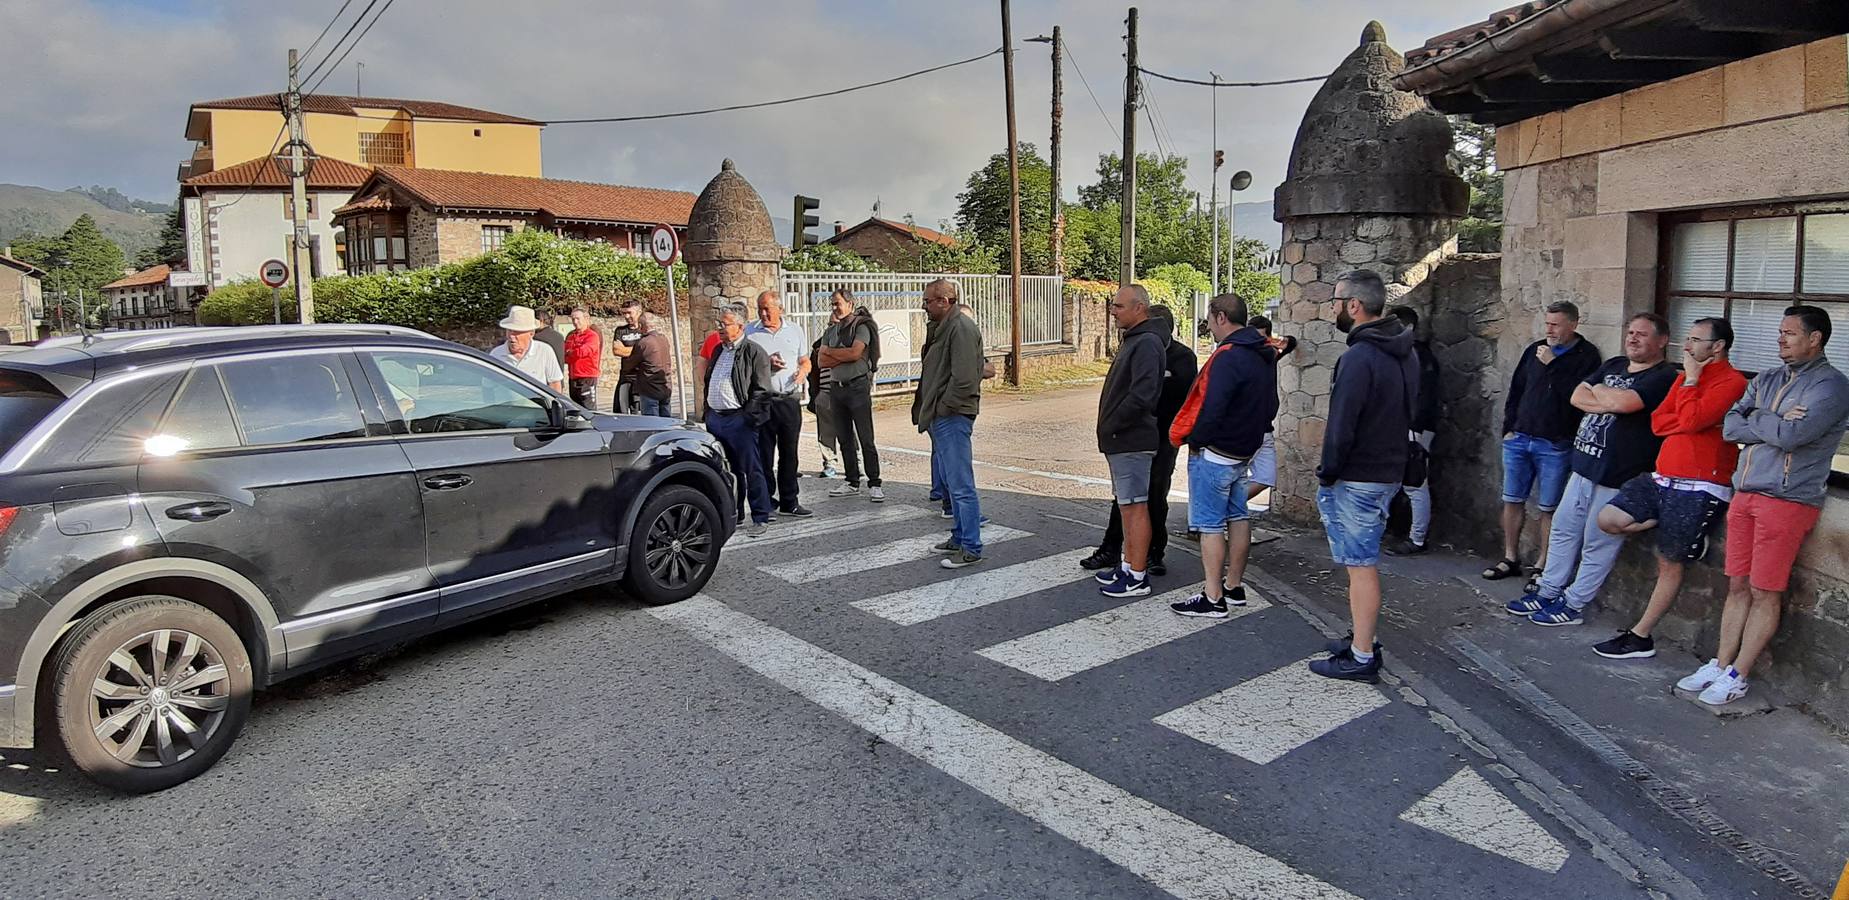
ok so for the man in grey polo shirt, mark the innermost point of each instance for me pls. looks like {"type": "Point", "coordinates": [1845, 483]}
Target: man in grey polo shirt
{"type": "Point", "coordinates": [788, 348]}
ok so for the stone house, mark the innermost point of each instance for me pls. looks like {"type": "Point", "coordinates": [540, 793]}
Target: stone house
{"type": "Point", "coordinates": [893, 245]}
{"type": "Point", "coordinates": [413, 218]}
{"type": "Point", "coordinates": [21, 299]}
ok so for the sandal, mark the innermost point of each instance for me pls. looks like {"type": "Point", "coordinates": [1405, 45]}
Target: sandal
{"type": "Point", "coordinates": [1507, 568]}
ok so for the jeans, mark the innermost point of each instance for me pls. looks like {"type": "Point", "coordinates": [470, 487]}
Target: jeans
{"type": "Point", "coordinates": [1354, 514]}
{"type": "Point", "coordinates": [1420, 498]}
{"type": "Point", "coordinates": [777, 443]}
{"type": "Point", "coordinates": [652, 407]}
{"type": "Point", "coordinates": [740, 441]}
{"type": "Point", "coordinates": [1579, 553]}
{"type": "Point", "coordinates": [853, 408]}
{"type": "Point", "coordinates": [952, 456]}
{"type": "Point", "coordinates": [1528, 461]}
{"type": "Point", "coordinates": [1161, 476]}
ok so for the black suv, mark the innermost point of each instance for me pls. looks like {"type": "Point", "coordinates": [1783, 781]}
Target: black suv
{"type": "Point", "coordinates": [191, 514]}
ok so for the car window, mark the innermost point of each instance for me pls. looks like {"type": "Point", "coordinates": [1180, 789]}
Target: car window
{"type": "Point", "coordinates": [200, 418]}
{"type": "Point", "coordinates": [437, 392]}
{"type": "Point", "coordinates": [113, 425]}
{"type": "Point", "coordinates": [292, 399]}
{"type": "Point", "coordinates": [25, 400]}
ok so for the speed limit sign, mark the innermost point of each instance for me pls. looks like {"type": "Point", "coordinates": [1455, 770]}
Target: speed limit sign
{"type": "Point", "coordinates": [274, 273]}
{"type": "Point", "coordinates": [664, 245]}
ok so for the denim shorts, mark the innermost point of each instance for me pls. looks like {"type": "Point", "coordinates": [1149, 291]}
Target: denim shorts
{"type": "Point", "coordinates": [1529, 460]}
{"type": "Point", "coordinates": [1130, 475]}
{"type": "Point", "coordinates": [1683, 517]}
{"type": "Point", "coordinates": [1216, 494]}
{"type": "Point", "coordinates": [1265, 462]}
{"type": "Point", "coordinates": [1354, 514]}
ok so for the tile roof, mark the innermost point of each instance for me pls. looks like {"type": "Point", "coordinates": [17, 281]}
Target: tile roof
{"type": "Point", "coordinates": [22, 266]}
{"type": "Point", "coordinates": [376, 201]}
{"type": "Point", "coordinates": [918, 232]}
{"type": "Point", "coordinates": [143, 278]}
{"type": "Point", "coordinates": [337, 104]}
{"type": "Point", "coordinates": [572, 200]}
{"type": "Point", "coordinates": [1455, 40]}
{"type": "Point", "coordinates": [267, 172]}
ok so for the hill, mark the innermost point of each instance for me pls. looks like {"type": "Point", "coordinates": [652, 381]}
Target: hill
{"type": "Point", "coordinates": [24, 208]}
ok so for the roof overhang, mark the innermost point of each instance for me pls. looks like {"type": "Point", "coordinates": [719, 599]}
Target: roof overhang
{"type": "Point", "coordinates": [1576, 51]}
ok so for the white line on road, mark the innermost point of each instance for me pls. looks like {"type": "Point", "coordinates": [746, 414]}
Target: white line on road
{"type": "Point", "coordinates": [866, 559]}
{"type": "Point", "coordinates": [1066, 650]}
{"type": "Point", "coordinates": [1468, 808]}
{"type": "Point", "coordinates": [1275, 713]}
{"type": "Point", "coordinates": [1018, 470]}
{"type": "Point", "coordinates": [786, 530]}
{"type": "Point", "coordinates": [1170, 852]}
{"type": "Point", "coordinates": [929, 601]}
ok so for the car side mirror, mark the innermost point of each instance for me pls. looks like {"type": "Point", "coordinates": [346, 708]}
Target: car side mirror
{"type": "Point", "coordinates": [571, 418]}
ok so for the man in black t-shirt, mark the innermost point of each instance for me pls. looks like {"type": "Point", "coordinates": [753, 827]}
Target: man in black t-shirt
{"type": "Point", "coordinates": [1614, 444]}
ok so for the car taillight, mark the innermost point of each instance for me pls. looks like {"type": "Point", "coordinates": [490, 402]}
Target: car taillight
{"type": "Point", "coordinates": [6, 517]}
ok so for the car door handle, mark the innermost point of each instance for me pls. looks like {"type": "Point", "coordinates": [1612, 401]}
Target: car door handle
{"type": "Point", "coordinates": [448, 482]}
{"type": "Point", "coordinates": [199, 512]}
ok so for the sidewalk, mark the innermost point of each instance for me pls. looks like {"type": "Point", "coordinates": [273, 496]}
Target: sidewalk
{"type": "Point", "coordinates": [1765, 779]}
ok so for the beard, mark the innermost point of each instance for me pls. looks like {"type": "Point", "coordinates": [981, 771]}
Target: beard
{"type": "Point", "coordinates": [1343, 321]}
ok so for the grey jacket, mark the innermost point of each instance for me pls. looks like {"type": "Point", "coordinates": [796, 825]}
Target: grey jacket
{"type": "Point", "coordinates": [1789, 459]}
{"type": "Point", "coordinates": [950, 377]}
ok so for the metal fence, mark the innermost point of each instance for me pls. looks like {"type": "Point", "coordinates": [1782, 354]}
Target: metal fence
{"type": "Point", "coordinates": [896, 299]}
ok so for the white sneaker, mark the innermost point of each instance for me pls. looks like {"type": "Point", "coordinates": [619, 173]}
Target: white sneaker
{"type": "Point", "coordinates": [845, 490]}
{"type": "Point", "coordinates": [1704, 676]}
{"type": "Point", "coordinates": [876, 494]}
{"type": "Point", "coordinates": [1725, 689]}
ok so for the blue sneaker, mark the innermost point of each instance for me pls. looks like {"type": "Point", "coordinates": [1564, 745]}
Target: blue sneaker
{"type": "Point", "coordinates": [1557, 613]}
{"type": "Point", "coordinates": [1343, 667]}
{"type": "Point", "coordinates": [1126, 586]}
{"type": "Point", "coordinates": [1108, 576]}
{"type": "Point", "coordinates": [1529, 604]}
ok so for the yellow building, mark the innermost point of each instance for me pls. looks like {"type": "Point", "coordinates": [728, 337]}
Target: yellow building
{"type": "Point", "coordinates": [367, 131]}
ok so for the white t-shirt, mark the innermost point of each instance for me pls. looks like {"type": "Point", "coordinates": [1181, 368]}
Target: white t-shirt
{"type": "Point", "coordinates": [788, 340]}
{"type": "Point", "coordinates": [539, 363]}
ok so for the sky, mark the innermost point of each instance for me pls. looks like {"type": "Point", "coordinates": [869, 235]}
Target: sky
{"type": "Point", "coordinates": [96, 91]}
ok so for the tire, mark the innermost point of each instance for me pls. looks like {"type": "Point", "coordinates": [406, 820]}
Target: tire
{"type": "Point", "coordinates": [109, 670]}
{"type": "Point", "coordinates": [674, 547]}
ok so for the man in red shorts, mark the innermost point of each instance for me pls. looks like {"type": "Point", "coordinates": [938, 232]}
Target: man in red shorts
{"type": "Point", "coordinates": [1790, 424]}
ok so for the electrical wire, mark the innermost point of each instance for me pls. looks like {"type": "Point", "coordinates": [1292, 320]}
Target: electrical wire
{"type": "Point", "coordinates": [1161, 121]}
{"type": "Point", "coordinates": [258, 172]}
{"type": "Point", "coordinates": [343, 39]}
{"type": "Point", "coordinates": [1231, 84]}
{"type": "Point", "coordinates": [325, 29]}
{"type": "Point", "coordinates": [356, 42]}
{"type": "Point", "coordinates": [1094, 97]}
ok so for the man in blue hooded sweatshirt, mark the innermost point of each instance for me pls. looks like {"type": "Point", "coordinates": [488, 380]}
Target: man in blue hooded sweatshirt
{"type": "Point", "coordinates": [1371, 400]}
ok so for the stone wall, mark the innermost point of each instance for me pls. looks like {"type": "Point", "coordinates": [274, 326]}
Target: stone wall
{"type": "Point", "coordinates": [421, 238]}
{"type": "Point", "coordinates": [460, 237]}
{"type": "Point", "coordinates": [1465, 324]}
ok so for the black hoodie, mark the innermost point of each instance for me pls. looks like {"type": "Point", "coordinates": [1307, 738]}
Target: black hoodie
{"type": "Point", "coordinates": [1128, 407]}
{"type": "Point", "coordinates": [1370, 405]}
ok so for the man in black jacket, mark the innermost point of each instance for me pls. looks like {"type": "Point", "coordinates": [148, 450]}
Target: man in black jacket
{"type": "Point", "coordinates": [1538, 424]}
{"type": "Point", "coordinates": [1179, 373]}
{"type": "Point", "coordinates": [1128, 434]}
{"type": "Point", "coordinates": [736, 389]}
{"type": "Point", "coordinates": [1364, 457]}
{"type": "Point", "coordinates": [1425, 425]}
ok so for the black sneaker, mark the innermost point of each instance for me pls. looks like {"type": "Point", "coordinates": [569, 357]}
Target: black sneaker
{"type": "Point", "coordinates": [1343, 667]}
{"type": "Point", "coordinates": [1234, 595]}
{"type": "Point", "coordinates": [1156, 567]}
{"type": "Point", "coordinates": [797, 512]}
{"type": "Point", "coordinates": [1626, 646]}
{"type": "Point", "coordinates": [1200, 606]}
{"type": "Point", "coordinates": [1098, 560]}
{"type": "Point", "coordinates": [1347, 641]}
{"type": "Point", "coordinates": [1407, 548]}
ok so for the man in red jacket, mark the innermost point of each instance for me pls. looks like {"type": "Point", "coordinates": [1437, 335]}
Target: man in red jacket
{"type": "Point", "coordinates": [1689, 491]}
{"type": "Point", "coordinates": [583, 358]}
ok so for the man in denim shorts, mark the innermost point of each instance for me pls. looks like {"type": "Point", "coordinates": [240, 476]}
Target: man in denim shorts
{"type": "Point", "coordinates": [1364, 458]}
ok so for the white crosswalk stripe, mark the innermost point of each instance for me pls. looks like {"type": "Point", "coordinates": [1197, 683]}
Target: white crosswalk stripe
{"type": "Point", "coordinates": [930, 601]}
{"type": "Point", "coordinates": [1271, 715]}
{"type": "Point", "coordinates": [796, 530]}
{"type": "Point", "coordinates": [866, 559]}
{"type": "Point", "coordinates": [1468, 808]}
{"type": "Point", "coordinates": [1066, 650]}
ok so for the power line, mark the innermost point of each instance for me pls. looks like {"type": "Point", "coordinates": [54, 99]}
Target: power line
{"type": "Point", "coordinates": [268, 160]}
{"type": "Point", "coordinates": [343, 39]}
{"type": "Point", "coordinates": [356, 42]}
{"type": "Point", "coordinates": [1094, 97]}
{"type": "Point", "coordinates": [326, 28]}
{"type": "Point", "coordinates": [1160, 119]}
{"type": "Point", "coordinates": [1231, 84]}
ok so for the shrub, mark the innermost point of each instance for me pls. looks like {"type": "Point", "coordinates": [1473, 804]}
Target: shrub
{"type": "Point", "coordinates": [244, 303]}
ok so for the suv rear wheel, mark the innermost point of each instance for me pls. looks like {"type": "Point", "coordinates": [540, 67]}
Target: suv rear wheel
{"type": "Point", "coordinates": [674, 547]}
{"type": "Point", "coordinates": [149, 692]}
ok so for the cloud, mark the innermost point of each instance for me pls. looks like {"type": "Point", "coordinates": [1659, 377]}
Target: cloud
{"type": "Point", "coordinates": [98, 89]}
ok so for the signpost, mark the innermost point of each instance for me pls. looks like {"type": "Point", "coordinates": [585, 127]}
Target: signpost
{"type": "Point", "coordinates": [274, 273]}
{"type": "Point", "coordinates": [665, 247]}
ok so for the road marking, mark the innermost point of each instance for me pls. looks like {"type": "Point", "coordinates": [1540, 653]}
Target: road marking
{"type": "Point", "coordinates": [1468, 808]}
{"type": "Point", "coordinates": [866, 559]}
{"type": "Point", "coordinates": [802, 529]}
{"type": "Point", "coordinates": [1066, 650]}
{"type": "Point", "coordinates": [1275, 713]}
{"type": "Point", "coordinates": [1170, 852]}
{"type": "Point", "coordinates": [978, 589]}
{"type": "Point", "coordinates": [1091, 480]}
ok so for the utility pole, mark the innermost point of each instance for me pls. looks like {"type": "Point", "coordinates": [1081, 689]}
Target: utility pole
{"type": "Point", "coordinates": [1126, 264]}
{"type": "Point", "coordinates": [298, 195]}
{"type": "Point", "coordinates": [1213, 178]}
{"type": "Point", "coordinates": [1014, 203]}
{"type": "Point", "coordinates": [1059, 213]}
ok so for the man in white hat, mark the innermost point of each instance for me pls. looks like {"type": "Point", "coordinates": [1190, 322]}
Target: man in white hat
{"type": "Point", "coordinates": [517, 351]}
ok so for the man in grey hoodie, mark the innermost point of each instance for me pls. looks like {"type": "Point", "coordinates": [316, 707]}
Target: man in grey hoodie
{"type": "Point", "coordinates": [1129, 432]}
{"type": "Point", "coordinates": [1790, 424]}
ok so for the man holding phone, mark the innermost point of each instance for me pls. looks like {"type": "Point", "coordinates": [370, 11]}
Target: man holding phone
{"type": "Point", "coordinates": [788, 348]}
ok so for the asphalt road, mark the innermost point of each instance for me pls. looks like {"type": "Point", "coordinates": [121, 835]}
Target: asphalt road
{"type": "Point", "coordinates": [839, 716]}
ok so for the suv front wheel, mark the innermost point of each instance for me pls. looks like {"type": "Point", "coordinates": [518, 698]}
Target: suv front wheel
{"type": "Point", "coordinates": [674, 547]}
{"type": "Point", "coordinates": [149, 692]}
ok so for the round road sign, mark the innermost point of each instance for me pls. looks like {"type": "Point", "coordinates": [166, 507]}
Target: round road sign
{"type": "Point", "coordinates": [664, 245]}
{"type": "Point", "coordinates": [274, 273]}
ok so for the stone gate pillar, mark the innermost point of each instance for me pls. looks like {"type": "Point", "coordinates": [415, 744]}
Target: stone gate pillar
{"type": "Point", "coordinates": [731, 251]}
{"type": "Point", "coordinates": [1368, 187]}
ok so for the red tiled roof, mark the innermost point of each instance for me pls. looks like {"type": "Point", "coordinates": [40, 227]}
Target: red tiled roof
{"type": "Point", "coordinates": [143, 278]}
{"type": "Point", "coordinates": [1458, 39]}
{"type": "Point", "coordinates": [573, 200]}
{"type": "Point", "coordinates": [337, 104]}
{"type": "Point", "coordinates": [267, 172]}
{"type": "Point", "coordinates": [22, 266]}
{"type": "Point", "coordinates": [376, 201]}
{"type": "Point", "coordinates": [918, 232]}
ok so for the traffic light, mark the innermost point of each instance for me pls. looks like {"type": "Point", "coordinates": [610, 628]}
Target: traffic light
{"type": "Point", "coordinates": [1219, 159]}
{"type": "Point", "coordinates": [802, 221]}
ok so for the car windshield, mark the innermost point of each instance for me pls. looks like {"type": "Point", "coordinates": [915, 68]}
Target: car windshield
{"type": "Point", "coordinates": [25, 400]}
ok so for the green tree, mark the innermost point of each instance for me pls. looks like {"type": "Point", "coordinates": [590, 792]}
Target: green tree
{"type": "Point", "coordinates": [982, 208]}
{"type": "Point", "coordinates": [1474, 156]}
{"type": "Point", "coordinates": [1170, 225]}
{"type": "Point", "coordinates": [85, 260]}
{"type": "Point", "coordinates": [172, 246]}
{"type": "Point", "coordinates": [828, 258]}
